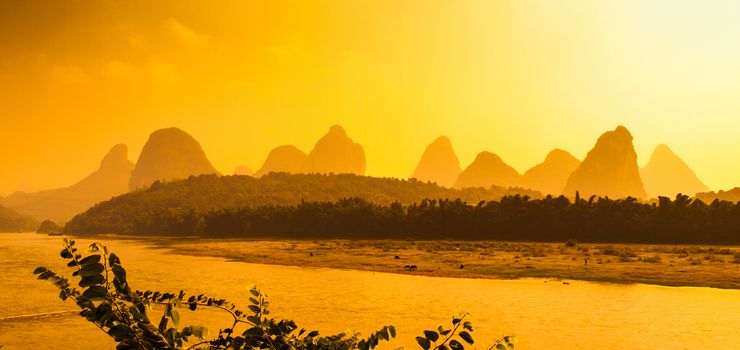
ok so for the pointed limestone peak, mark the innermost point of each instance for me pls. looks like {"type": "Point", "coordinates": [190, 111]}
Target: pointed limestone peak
{"type": "Point", "coordinates": [336, 153]}
{"type": "Point", "coordinates": [338, 130]}
{"type": "Point", "coordinates": [116, 157]}
{"type": "Point", "coordinates": [242, 170]}
{"type": "Point", "coordinates": [610, 169]}
{"type": "Point", "coordinates": [284, 159]}
{"type": "Point", "coordinates": [666, 174]}
{"type": "Point", "coordinates": [438, 163]}
{"type": "Point", "coordinates": [169, 154]}
{"type": "Point", "coordinates": [550, 176]}
{"type": "Point", "coordinates": [486, 170]}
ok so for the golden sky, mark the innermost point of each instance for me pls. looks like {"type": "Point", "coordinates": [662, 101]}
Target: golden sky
{"type": "Point", "coordinates": [516, 78]}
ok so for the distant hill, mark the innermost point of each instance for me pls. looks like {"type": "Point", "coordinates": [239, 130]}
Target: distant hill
{"type": "Point", "coordinates": [242, 170]}
{"type": "Point", "coordinates": [550, 176]}
{"type": "Point", "coordinates": [111, 179]}
{"type": "Point", "coordinates": [610, 169]}
{"type": "Point", "coordinates": [488, 170]}
{"type": "Point", "coordinates": [206, 192]}
{"type": "Point", "coordinates": [438, 164]}
{"type": "Point", "coordinates": [732, 195]}
{"type": "Point", "coordinates": [667, 175]}
{"type": "Point", "coordinates": [336, 153]}
{"type": "Point", "coordinates": [10, 221]}
{"type": "Point", "coordinates": [284, 159]}
{"type": "Point", "coordinates": [169, 154]}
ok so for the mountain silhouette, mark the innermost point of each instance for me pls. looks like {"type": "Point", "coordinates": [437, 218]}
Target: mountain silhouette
{"type": "Point", "coordinates": [336, 153]}
{"type": "Point", "coordinates": [486, 170]}
{"type": "Point", "coordinates": [550, 176]}
{"type": "Point", "coordinates": [438, 163]}
{"type": "Point", "coordinates": [284, 159]}
{"type": "Point", "coordinates": [610, 169]}
{"type": "Point", "coordinates": [111, 179]}
{"type": "Point", "coordinates": [242, 170]}
{"type": "Point", "coordinates": [11, 221]}
{"type": "Point", "coordinates": [169, 154]}
{"type": "Point", "coordinates": [667, 175]}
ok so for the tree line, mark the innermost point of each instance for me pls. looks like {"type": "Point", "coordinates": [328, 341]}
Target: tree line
{"type": "Point", "coordinates": [517, 217]}
{"type": "Point", "coordinates": [207, 192]}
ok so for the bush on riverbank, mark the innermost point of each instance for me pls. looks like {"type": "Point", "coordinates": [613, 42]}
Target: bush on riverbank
{"type": "Point", "coordinates": [107, 301]}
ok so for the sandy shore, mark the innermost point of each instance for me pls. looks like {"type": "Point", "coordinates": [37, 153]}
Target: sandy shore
{"type": "Point", "coordinates": [672, 265]}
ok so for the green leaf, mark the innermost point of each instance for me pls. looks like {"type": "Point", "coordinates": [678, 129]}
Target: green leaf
{"type": "Point", "coordinates": [254, 308]}
{"type": "Point", "coordinates": [199, 332]}
{"type": "Point", "coordinates": [95, 292]}
{"type": "Point", "coordinates": [119, 332]}
{"type": "Point", "coordinates": [254, 331]}
{"type": "Point", "coordinates": [431, 335]}
{"type": "Point", "coordinates": [254, 292]}
{"type": "Point", "coordinates": [456, 345]}
{"type": "Point", "coordinates": [39, 270]}
{"type": "Point", "coordinates": [392, 331]}
{"type": "Point", "coordinates": [91, 269]}
{"type": "Point", "coordinates": [466, 337]}
{"type": "Point", "coordinates": [46, 275]}
{"type": "Point", "coordinates": [91, 280]}
{"type": "Point", "coordinates": [424, 343]}
{"type": "Point", "coordinates": [500, 346]}
{"type": "Point", "coordinates": [443, 347]}
{"type": "Point", "coordinates": [175, 318]}
{"type": "Point", "coordinates": [91, 259]}
{"type": "Point", "coordinates": [163, 324]}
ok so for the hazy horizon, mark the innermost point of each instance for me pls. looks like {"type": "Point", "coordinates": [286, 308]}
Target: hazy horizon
{"type": "Point", "coordinates": [517, 79]}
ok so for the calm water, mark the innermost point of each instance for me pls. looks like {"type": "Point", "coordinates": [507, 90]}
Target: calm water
{"type": "Point", "coordinates": [551, 315]}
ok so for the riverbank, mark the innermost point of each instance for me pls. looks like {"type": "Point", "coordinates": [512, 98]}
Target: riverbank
{"type": "Point", "coordinates": [669, 265]}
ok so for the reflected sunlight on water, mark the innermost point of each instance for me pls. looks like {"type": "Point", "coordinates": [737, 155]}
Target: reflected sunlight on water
{"type": "Point", "coordinates": [581, 315]}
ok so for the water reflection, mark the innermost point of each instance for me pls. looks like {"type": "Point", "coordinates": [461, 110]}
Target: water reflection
{"type": "Point", "coordinates": [581, 315]}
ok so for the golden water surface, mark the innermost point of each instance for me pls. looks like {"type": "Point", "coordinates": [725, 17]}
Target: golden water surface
{"type": "Point", "coordinates": [543, 315]}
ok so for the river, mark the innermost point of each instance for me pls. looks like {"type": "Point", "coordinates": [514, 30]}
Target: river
{"type": "Point", "coordinates": [542, 315]}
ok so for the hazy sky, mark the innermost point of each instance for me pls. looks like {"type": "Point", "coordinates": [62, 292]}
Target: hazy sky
{"type": "Point", "coordinates": [516, 78]}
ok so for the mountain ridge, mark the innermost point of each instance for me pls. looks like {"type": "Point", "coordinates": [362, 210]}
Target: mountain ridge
{"type": "Point", "coordinates": [666, 174]}
{"type": "Point", "coordinates": [438, 163]}
{"type": "Point", "coordinates": [609, 169]}
{"type": "Point", "coordinates": [60, 204]}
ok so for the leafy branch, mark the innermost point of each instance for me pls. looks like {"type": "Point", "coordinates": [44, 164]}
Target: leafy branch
{"type": "Point", "coordinates": [106, 300]}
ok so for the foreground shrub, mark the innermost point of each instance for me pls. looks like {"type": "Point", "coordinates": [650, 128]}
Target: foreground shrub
{"type": "Point", "coordinates": [107, 301]}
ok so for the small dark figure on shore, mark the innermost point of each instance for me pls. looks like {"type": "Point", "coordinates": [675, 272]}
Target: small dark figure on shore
{"type": "Point", "coordinates": [462, 266]}
{"type": "Point", "coordinates": [397, 257]}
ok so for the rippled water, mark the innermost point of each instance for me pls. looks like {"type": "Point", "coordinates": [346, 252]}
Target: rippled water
{"type": "Point", "coordinates": [581, 315]}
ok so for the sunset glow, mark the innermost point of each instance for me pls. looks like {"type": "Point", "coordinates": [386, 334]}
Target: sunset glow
{"type": "Point", "coordinates": [516, 78]}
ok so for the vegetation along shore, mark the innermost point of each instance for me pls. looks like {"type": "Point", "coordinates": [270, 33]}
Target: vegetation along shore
{"type": "Point", "coordinates": [671, 265]}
